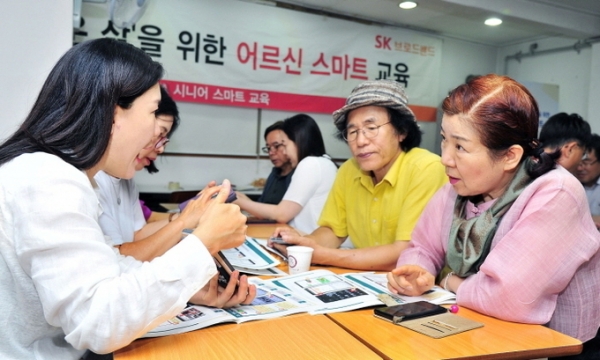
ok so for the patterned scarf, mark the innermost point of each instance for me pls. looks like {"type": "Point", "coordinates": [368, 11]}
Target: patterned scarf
{"type": "Point", "coordinates": [470, 240]}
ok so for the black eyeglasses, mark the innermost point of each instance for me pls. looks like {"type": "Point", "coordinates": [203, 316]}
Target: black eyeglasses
{"type": "Point", "coordinates": [267, 149]}
{"type": "Point", "coordinates": [588, 162]}
{"type": "Point", "coordinates": [369, 131]}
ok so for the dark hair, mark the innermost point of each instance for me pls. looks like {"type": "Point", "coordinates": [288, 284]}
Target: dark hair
{"type": "Point", "coordinates": [278, 125]}
{"type": "Point", "coordinates": [402, 123]}
{"type": "Point", "coordinates": [167, 106]}
{"type": "Point", "coordinates": [73, 115]}
{"type": "Point", "coordinates": [562, 128]}
{"type": "Point", "coordinates": [305, 133]}
{"type": "Point", "coordinates": [504, 113]}
{"type": "Point", "coordinates": [406, 125]}
{"type": "Point", "coordinates": [594, 144]}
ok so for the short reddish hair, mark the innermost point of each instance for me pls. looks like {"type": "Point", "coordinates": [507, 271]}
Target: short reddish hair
{"type": "Point", "coordinates": [502, 111]}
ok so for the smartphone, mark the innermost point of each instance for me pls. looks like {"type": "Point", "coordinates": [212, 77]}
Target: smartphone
{"type": "Point", "coordinates": [230, 198]}
{"type": "Point", "coordinates": [403, 312]}
{"type": "Point", "coordinates": [225, 269]}
{"type": "Point", "coordinates": [280, 241]}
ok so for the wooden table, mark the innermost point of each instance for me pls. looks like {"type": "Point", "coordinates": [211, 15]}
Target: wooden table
{"type": "Point", "coordinates": [351, 335]}
{"type": "Point", "coordinates": [497, 339]}
{"type": "Point", "coordinates": [299, 336]}
{"type": "Point", "coordinates": [262, 231]}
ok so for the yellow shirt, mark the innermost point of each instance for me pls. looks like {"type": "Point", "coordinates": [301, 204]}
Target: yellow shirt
{"type": "Point", "coordinates": [388, 211]}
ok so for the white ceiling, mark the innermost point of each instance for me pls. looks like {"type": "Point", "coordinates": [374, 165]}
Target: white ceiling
{"type": "Point", "coordinates": [523, 20]}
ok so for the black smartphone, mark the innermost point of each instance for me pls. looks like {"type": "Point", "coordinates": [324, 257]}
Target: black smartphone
{"type": "Point", "coordinates": [403, 312]}
{"type": "Point", "coordinates": [225, 269]}
{"type": "Point", "coordinates": [230, 198]}
{"type": "Point", "coordinates": [280, 241]}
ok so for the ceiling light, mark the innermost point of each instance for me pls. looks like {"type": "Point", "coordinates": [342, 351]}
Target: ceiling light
{"type": "Point", "coordinates": [407, 5]}
{"type": "Point", "coordinates": [493, 22]}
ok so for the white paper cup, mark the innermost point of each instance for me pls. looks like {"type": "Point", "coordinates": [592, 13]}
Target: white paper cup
{"type": "Point", "coordinates": [299, 258]}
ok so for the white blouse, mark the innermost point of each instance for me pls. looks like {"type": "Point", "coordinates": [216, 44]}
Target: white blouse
{"type": "Point", "coordinates": [121, 211]}
{"type": "Point", "coordinates": [63, 287]}
{"type": "Point", "coordinates": [311, 182]}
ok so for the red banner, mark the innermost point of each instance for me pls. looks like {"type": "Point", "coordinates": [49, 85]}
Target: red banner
{"type": "Point", "coordinates": [228, 96]}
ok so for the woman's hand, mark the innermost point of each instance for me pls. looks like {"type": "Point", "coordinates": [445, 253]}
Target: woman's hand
{"type": "Point", "coordinates": [222, 226]}
{"type": "Point", "coordinates": [194, 209]}
{"type": "Point", "coordinates": [410, 280]}
{"type": "Point", "coordinates": [238, 291]}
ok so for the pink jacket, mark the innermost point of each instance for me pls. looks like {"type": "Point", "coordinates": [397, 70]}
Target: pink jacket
{"type": "Point", "coordinates": [543, 267]}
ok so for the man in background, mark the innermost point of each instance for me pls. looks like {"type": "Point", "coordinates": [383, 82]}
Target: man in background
{"type": "Point", "coordinates": [281, 175]}
{"type": "Point", "coordinates": [588, 172]}
{"type": "Point", "coordinates": [379, 193]}
{"type": "Point", "coordinates": [570, 134]}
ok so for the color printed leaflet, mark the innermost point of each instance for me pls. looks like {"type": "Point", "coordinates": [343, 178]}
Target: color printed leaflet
{"type": "Point", "coordinates": [252, 258]}
{"type": "Point", "coordinates": [336, 293]}
{"type": "Point", "coordinates": [377, 284]}
{"type": "Point", "coordinates": [314, 292]}
{"type": "Point", "coordinates": [271, 301]}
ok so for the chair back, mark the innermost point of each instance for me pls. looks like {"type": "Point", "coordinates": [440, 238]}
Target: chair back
{"type": "Point", "coordinates": [183, 195]}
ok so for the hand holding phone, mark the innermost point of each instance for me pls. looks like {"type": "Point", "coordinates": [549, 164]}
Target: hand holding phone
{"type": "Point", "coordinates": [279, 241]}
{"type": "Point", "coordinates": [230, 198]}
{"type": "Point", "coordinates": [403, 312]}
{"type": "Point", "coordinates": [225, 269]}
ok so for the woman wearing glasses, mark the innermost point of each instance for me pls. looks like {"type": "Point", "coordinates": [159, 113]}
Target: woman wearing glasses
{"type": "Point", "coordinates": [313, 176]}
{"type": "Point", "coordinates": [123, 221]}
{"type": "Point", "coordinates": [380, 192]}
{"type": "Point", "coordinates": [281, 176]}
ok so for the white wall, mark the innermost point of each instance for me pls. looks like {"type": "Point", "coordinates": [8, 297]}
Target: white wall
{"type": "Point", "coordinates": [576, 73]}
{"type": "Point", "coordinates": [593, 114]}
{"type": "Point", "coordinates": [459, 60]}
{"type": "Point", "coordinates": [35, 35]}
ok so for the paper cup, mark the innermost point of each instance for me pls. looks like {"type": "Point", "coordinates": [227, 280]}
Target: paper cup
{"type": "Point", "coordinates": [299, 258]}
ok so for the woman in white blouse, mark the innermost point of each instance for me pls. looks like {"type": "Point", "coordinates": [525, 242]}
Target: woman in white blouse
{"type": "Point", "coordinates": [64, 288]}
{"type": "Point", "coordinates": [313, 177]}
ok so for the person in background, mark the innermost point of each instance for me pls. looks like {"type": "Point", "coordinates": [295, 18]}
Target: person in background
{"type": "Point", "coordinates": [122, 219]}
{"type": "Point", "coordinates": [588, 172]}
{"type": "Point", "coordinates": [167, 112]}
{"type": "Point", "coordinates": [122, 216]}
{"type": "Point", "coordinates": [281, 176]}
{"type": "Point", "coordinates": [511, 230]}
{"type": "Point", "coordinates": [65, 288]}
{"type": "Point", "coordinates": [313, 176]}
{"type": "Point", "coordinates": [380, 192]}
{"type": "Point", "coordinates": [570, 134]}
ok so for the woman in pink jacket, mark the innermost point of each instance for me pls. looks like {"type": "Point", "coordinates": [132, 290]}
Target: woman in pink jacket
{"type": "Point", "coordinates": [511, 233]}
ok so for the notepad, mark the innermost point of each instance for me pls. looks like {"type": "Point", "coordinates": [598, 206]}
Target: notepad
{"type": "Point", "coordinates": [442, 325]}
